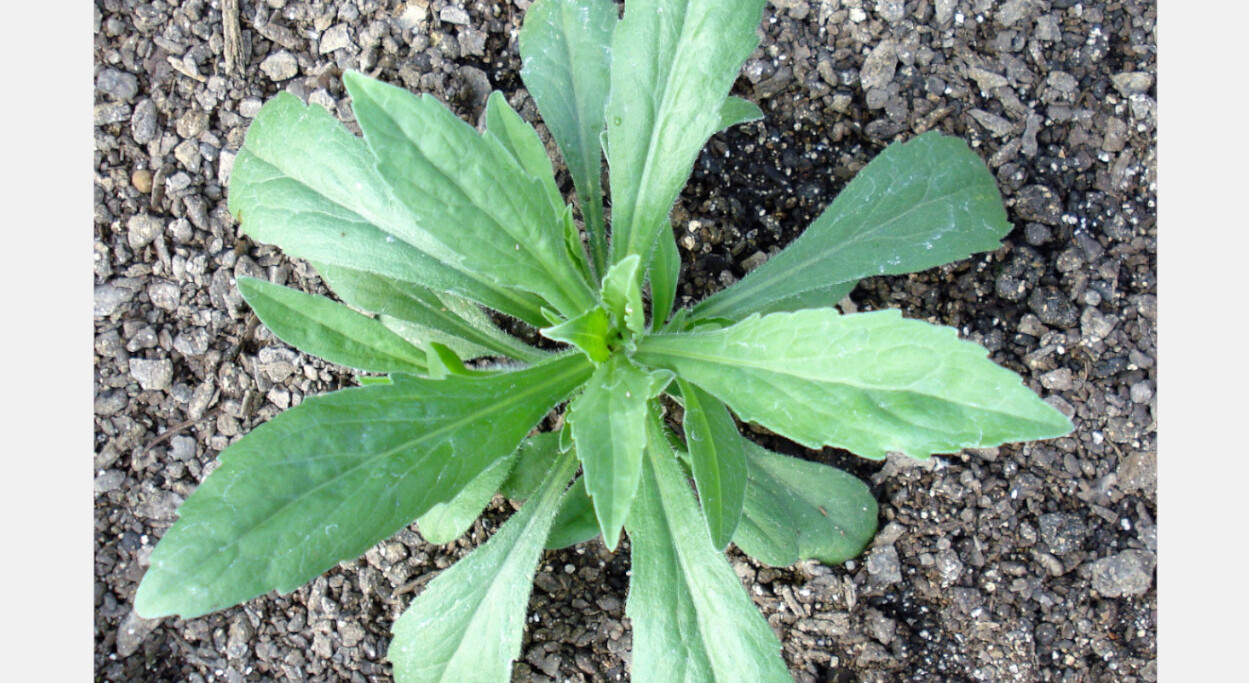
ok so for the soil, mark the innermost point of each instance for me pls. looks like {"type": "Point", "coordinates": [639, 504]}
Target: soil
{"type": "Point", "coordinates": [1019, 563]}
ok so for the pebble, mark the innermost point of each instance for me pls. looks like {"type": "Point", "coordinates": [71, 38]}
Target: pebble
{"type": "Point", "coordinates": [1131, 83]}
{"type": "Point", "coordinates": [182, 448]}
{"type": "Point", "coordinates": [880, 66]}
{"type": "Point", "coordinates": [1064, 533]}
{"type": "Point", "coordinates": [1141, 392]}
{"type": "Point", "coordinates": [192, 342]}
{"type": "Point", "coordinates": [891, 11]}
{"type": "Point", "coordinates": [1058, 380]}
{"type": "Point", "coordinates": [141, 229]}
{"type": "Point", "coordinates": [944, 10]}
{"type": "Point", "coordinates": [1052, 307]}
{"type": "Point", "coordinates": [993, 123]}
{"type": "Point", "coordinates": [1096, 326]}
{"type": "Point", "coordinates": [142, 180]}
{"type": "Point", "coordinates": [119, 85]}
{"type": "Point", "coordinates": [133, 630]}
{"type": "Point", "coordinates": [108, 114]}
{"type": "Point", "coordinates": [108, 298]}
{"type": "Point", "coordinates": [152, 375]}
{"type": "Point", "coordinates": [454, 15]}
{"type": "Point", "coordinates": [335, 37]}
{"type": "Point", "coordinates": [1038, 203]}
{"type": "Point", "coordinates": [164, 294]}
{"type": "Point", "coordinates": [1012, 11]}
{"type": "Point", "coordinates": [884, 566]}
{"type": "Point", "coordinates": [109, 480]}
{"type": "Point", "coordinates": [143, 122]}
{"type": "Point", "coordinates": [280, 66]}
{"type": "Point", "coordinates": [1127, 573]}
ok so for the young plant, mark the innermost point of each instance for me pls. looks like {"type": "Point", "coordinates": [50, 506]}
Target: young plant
{"type": "Point", "coordinates": [425, 223]}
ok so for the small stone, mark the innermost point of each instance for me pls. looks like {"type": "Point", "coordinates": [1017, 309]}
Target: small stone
{"type": "Point", "coordinates": [109, 480]}
{"type": "Point", "coordinates": [278, 363]}
{"type": "Point", "coordinates": [108, 298]}
{"type": "Point", "coordinates": [280, 66]}
{"type": "Point", "coordinates": [1063, 533]}
{"type": "Point", "coordinates": [164, 294]}
{"type": "Point", "coordinates": [192, 342]}
{"type": "Point", "coordinates": [182, 448]}
{"type": "Point", "coordinates": [108, 114]}
{"type": "Point", "coordinates": [1062, 82]}
{"type": "Point", "coordinates": [1052, 307]}
{"type": "Point", "coordinates": [142, 180]}
{"type": "Point", "coordinates": [1095, 326]}
{"type": "Point", "coordinates": [1038, 203]}
{"type": "Point", "coordinates": [1127, 573]}
{"type": "Point", "coordinates": [884, 566]}
{"type": "Point", "coordinates": [192, 124]}
{"type": "Point", "coordinates": [1058, 380]}
{"type": "Point", "coordinates": [1012, 11]}
{"type": "Point", "coordinates": [335, 37]}
{"type": "Point", "coordinates": [119, 85]}
{"type": "Point", "coordinates": [880, 66]}
{"type": "Point", "coordinates": [142, 229]}
{"type": "Point", "coordinates": [454, 15]}
{"type": "Point", "coordinates": [891, 11]}
{"type": "Point", "coordinates": [1141, 392]}
{"type": "Point", "coordinates": [152, 375]}
{"type": "Point", "coordinates": [249, 107]}
{"type": "Point", "coordinates": [944, 10]}
{"type": "Point", "coordinates": [131, 633]}
{"type": "Point", "coordinates": [986, 80]}
{"type": "Point", "coordinates": [111, 403]}
{"type": "Point", "coordinates": [143, 122]}
{"type": "Point", "coordinates": [1049, 29]}
{"type": "Point", "coordinates": [472, 41]}
{"type": "Point", "coordinates": [1037, 234]}
{"type": "Point", "coordinates": [1131, 83]}
{"type": "Point", "coordinates": [177, 182]}
{"type": "Point", "coordinates": [187, 154]}
{"type": "Point", "coordinates": [993, 123]}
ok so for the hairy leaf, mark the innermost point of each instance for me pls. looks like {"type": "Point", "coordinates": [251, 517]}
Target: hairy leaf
{"type": "Point", "coordinates": [522, 142]}
{"type": "Point", "coordinates": [798, 510]}
{"type": "Point", "coordinates": [608, 427]}
{"type": "Point", "coordinates": [575, 522]}
{"type": "Point", "coordinates": [692, 620]}
{"type": "Point", "coordinates": [587, 332]}
{"type": "Point", "coordinates": [869, 382]}
{"type": "Point", "coordinates": [326, 480]}
{"type": "Point", "coordinates": [468, 192]}
{"type": "Point", "coordinates": [665, 272]}
{"type": "Point", "coordinates": [736, 111]}
{"type": "Point", "coordinates": [565, 49]}
{"type": "Point", "coordinates": [467, 624]}
{"type": "Point", "coordinates": [919, 204]}
{"type": "Point", "coordinates": [673, 63]}
{"type": "Point", "coordinates": [447, 521]}
{"type": "Point", "coordinates": [622, 294]}
{"type": "Point", "coordinates": [717, 459]}
{"type": "Point", "coordinates": [303, 182]}
{"type": "Point", "coordinates": [330, 330]}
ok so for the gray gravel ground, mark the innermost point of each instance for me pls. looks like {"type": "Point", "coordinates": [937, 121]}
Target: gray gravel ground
{"type": "Point", "coordinates": [1031, 563]}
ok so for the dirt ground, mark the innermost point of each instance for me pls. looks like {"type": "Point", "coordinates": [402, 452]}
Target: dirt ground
{"type": "Point", "coordinates": [1020, 563]}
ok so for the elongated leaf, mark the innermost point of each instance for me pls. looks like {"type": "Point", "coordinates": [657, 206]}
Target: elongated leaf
{"type": "Point", "coordinates": [797, 510]}
{"type": "Point", "coordinates": [431, 316]}
{"type": "Point", "coordinates": [587, 332]}
{"type": "Point", "coordinates": [565, 49]}
{"type": "Point", "coordinates": [522, 142]}
{"type": "Point", "coordinates": [330, 330]}
{"type": "Point", "coordinates": [575, 523]}
{"type": "Point", "coordinates": [869, 382]}
{"type": "Point", "coordinates": [468, 192]}
{"type": "Point", "coordinates": [303, 182]}
{"type": "Point", "coordinates": [664, 275]}
{"type": "Point", "coordinates": [736, 111]}
{"type": "Point", "coordinates": [622, 294]}
{"type": "Point", "coordinates": [326, 480]}
{"type": "Point", "coordinates": [447, 521]}
{"type": "Point", "coordinates": [692, 620]}
{"type": "Point", "coordinates": [534, 459]}
{"type": "Point", "coordinates": [919, 204]}
{"type": "Point", "coordinates": [609, 429]}
{"type": "Point", "coordinates": [467, 624]}
{"type": "Point", "coordinates": [718, 461]}
{"type": "Point", "coordinates": [673, 63]}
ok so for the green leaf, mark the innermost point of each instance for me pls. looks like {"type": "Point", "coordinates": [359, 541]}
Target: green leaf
{"type": "Point", "coordinates": [736, 111]}
{"type": "Point", "coordinates": [609, 429]}
{"type": "Point", "coordinates": [869, 383]}
{"type": "Point", "coordinates": [918, 204]}
{"type": "Point", "coordinates": [431, 316]}
{"type": "Point", "coordinates": [622, 294]}
{"type": "Point", "coordinates": [330, 330]}
{"type": "Point", "coordinates": [466, 626]}
{"type": "Point", "coordinates": [576, 522]}
{"type": "Point", "coordinates": [587, 332]}
{"type": "Point", "coordinates": [692, 620]}
{"type": "Point", "coordinates": [534, 459]}
{"type": "Point", "coordinates": [565, 49]}
{"type": "Point", "coordinates": [673, 63]}
{"type": "Point", "coordinates": [665, 273]}
{"type": "Point", "coordinates": [718, 461]}
{"type": "Point", "coordinates": [447, 521]}
{"type": "Point", "coordinates": [798, 510]}
{"type": "Point", "coordinates": [303, 182]}
{"type": "Point", "coordinates": [326, 480]}
{"type": "Point", "coordinates": [522, 142]}
{"type": "Point", "coordinates": [468, 192]}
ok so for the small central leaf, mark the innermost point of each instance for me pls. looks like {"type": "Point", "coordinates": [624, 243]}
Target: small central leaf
{"type": "Point", "coordinates": [588, 332]}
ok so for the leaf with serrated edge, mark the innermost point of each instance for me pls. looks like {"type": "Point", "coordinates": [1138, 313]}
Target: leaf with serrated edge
{"type": "Point", "coordinates": [431, 316]}
{"type": "Point", "coordinates": [692, 619]}
{"type": "Point", "coordinates": [673, 63]}
{"type": "Point", "coordinates": [798, 510]}
{"type": "Point", "coordinates": [608, 427]}
{"type": "Point", "coordinates": [622, 294]}
{"type": "Point", "coordinates": [565, 49]}
{"type": "Point", "coordinates": [468, 192]}
{"type": "Point", "coordinates": [718, 461]}
{"type": "Point", "coordinates": [466, 626]}
{"type": "Point", "coordinates": [919, 204]}
{"type": "Point", "coordinates": [330, 330]}
{"type": "Point", "coordinates": [447, 521]}
{"type": "Point", "coordinates": [329, 478]}
{"type": "Point", "coordinates": [869, 383]}
{"type": "Point", "coordinates": [303, 182]}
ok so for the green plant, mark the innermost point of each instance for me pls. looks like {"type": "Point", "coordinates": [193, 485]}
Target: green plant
{"type": "Point", "coordinates": [425, 221]}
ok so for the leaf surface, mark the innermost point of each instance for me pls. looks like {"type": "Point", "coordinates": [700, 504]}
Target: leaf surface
{"type": "Point", "coordinates": [665, 273]}
{"type": "Point", "coordinates": [737, 111]}
{"type": "Point", "coordinates": [673, 63]}
{"type": "Point", "coordinates": [587, 332]}
{"type": "Point", "coordinates": [303, 182]}
{"type": "Point", "coordinates": [467, 625]}
{"type": "Point", "coordinates": [717, 459]}
{"type": "Point", "coordinates": [565, 50]}
{"type": "Point", "coordinates": [622, 294]}
{"type": "Point", "coordinates": [798, 510]}
{"type": "Point", "coordinates": [522, 142]}
{"type": "Point", "coordinates": [608, 423]}
{"type": "Point", "coordinates": [692, 619]}
{"type": "Point", "coordinates": [919, 204]}
{"type": "Point", "coordinates": [448, 521]}
{"type": "Point", "coordinates": [469, 193]}
{"type": "Point", "coordinates": [330, 330]}
{"type": "Point", "coordinates": [869, 383]}
{"type": "Point", "coordinates": [329, 478]}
